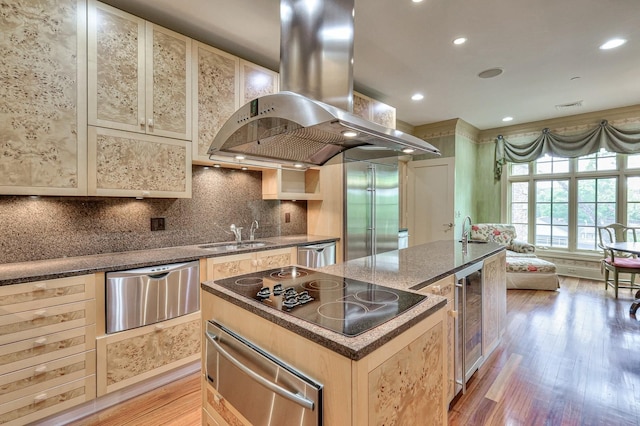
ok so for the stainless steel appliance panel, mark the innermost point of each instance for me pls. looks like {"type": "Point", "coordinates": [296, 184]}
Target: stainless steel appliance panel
{"type": "Point", "coordinates": [265, 390]}
{"type": "Point", "coordinates": [143, 296]}
{"type": "Point", "coordinates": [371, 208]}
{"type": "Point", "coordinates": [317, 255]}
{"type": "Point", "coordinates": [468, 301]}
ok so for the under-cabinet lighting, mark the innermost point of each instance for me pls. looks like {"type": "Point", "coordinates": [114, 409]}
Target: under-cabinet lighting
{"type": "Point", "coordinates": [408, 150]}
{"type": "Point", "coordinates": [349, 133]}
{"type": "Point", "coordinates": [239, 157]}
{"type": "Point", "coordinates": [217, 166]}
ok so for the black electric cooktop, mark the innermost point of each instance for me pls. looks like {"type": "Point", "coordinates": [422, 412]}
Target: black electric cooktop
{"type": "Point", "coordinates": [343, 305]}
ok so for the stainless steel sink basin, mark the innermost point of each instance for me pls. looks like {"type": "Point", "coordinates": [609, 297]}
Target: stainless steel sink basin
{"type": "Point", "coordinates": [223, 247]}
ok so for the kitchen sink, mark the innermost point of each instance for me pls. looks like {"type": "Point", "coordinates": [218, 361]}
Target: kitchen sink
{"type": "Point", "coordinates": [223, 247]}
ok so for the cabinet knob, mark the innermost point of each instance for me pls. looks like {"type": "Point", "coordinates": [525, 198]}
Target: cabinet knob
{"type": "Point", "coordinates": [453, 314]}
{"type": "Point", "coordinates": [141, 121]}
{"type": "Point", "coordinates": [150, 122]}
{"type": "Point", "coordinates": [40, 314]}
{"type": "Point", "coordinates": [40, 369]}
{"type": "Point", "coordinates": [159, 327]}
{"type": "Point", "coordinates": [40, 398]}
{"type": "Point", "coordinates": [40, 286]}
{"type": "Point", "coordinates": [39, 342]}
{"type": "Point", "coordinates": [436, 288]}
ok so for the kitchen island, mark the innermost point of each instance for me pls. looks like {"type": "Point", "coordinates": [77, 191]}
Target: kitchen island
{"type": "Point", "coordinates": [396, 371]}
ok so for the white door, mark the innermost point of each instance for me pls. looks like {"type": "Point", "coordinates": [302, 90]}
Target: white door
{"type": "Point", "coordinates": [430, 200]}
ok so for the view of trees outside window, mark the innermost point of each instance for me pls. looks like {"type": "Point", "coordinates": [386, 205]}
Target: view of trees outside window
{"type": "Point", "coordinates": [570, 198]}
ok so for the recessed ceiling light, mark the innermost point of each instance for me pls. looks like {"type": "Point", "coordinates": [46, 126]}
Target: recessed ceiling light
{"type": "Point", "coordinates": [217, 166]}
{"type": "Point", "coordinates": [490, 73]}
{"type": "Point", "coordinates": [507, 119]}
{"type": "Point", "coordinates": [417, 1]}
{"type": "Point", "coordinates": [417, 97]}
{"type": "Point", "coordinates": [613, 43]}
{"type": "Point", "coordinates": [349, 133]}
{"type": "Point", "coordinates": [459, 40]}
{"type": "Point", "coordinates": [297, 166]}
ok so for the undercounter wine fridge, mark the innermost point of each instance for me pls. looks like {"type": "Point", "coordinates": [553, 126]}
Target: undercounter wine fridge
{"type": "Point", "coordinates": [468, 303]}
{"type": "Point", "coordinates": [371, 207]}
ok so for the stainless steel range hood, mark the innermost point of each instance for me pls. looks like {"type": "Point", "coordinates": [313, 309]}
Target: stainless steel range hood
{"type": "Point", "coordinates": [308, 122]}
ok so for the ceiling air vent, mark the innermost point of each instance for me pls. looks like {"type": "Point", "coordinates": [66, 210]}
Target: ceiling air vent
{"type": "Point", "coordinates": [571, 105]}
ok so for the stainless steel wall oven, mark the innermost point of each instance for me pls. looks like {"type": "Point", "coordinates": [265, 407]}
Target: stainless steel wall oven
{"type": "Point", "coordinates": [265, 390]}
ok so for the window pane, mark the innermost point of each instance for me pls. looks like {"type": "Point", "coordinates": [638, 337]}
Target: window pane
{"type": "Point", "coordinates": [633, 201]}
{"type": "Point", "coordinates": [519, 169]}
{"type": "Point", "coordinates": [552, 213]}
{"type": "Point", "coordinates": [607, 190]}
{"type": "Point", "coordinates": [519, 213]}
{"type": "Point", "coordinates": [520, 192]}
{"type": "Point", "coordinates": [633, 161]}
{"type": "Point", "coordinates": [522, 232]}
{"type": "Point", "coordinates": [587, 238]}
{"type": "Point", "coordinates": [543, 191]}
{"type": "Point", "coordinates": [560, 213]}
{"type": "Point", "coordinates": [586, 190]}
{"type": "Point", "coordinates": [551, 165]}
{"type": "Point", "coordinates": [587, 214]}
{"type": "Point", "coordinates": [599, 161]}
{"type": "Point", "coordinates": [606, 213]}
{"type": "Point", "coordinates": [560, 191]}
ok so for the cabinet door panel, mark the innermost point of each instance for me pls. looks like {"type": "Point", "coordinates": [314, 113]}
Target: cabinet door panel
{"type": "Point", "coordinates": [256, 81]}
{"type": "Point", "coordinates": [229, 266]}
{"type": "Point", "coordinates": [116, 69]}
{"type": "Point", "coordinates": [125, 164]}
{"type": "Point", "coordinates": [168, 83]}
{"type": "Point", "coordinates": [43, 98]}
{"type": "Point", "coordinates": [273, 259]}
{"type": "Point", "coordinates": [216, 95]}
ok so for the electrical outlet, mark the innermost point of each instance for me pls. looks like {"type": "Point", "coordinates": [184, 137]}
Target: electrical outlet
{"type": "Point", "coordinates": [287, 217]}
{"type": "Point", "coordinates": [157, 223]}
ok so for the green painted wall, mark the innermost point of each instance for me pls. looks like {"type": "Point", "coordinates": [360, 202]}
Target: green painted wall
{"type": "Point", "coordinates": [465, 166]}
{"type": "Point", "coordinates": [487, 190]}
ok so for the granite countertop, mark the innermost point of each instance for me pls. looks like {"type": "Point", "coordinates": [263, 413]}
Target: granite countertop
{"type": "Point", "coordinates": [407, 269]}
{"type": "Point", "coordinates": [15, 273]}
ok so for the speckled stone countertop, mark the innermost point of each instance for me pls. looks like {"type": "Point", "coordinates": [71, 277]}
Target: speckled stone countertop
{"type": "Point", "coordinates": [15, 273]}
{"type": "Point", "coordinates": [407, 269]}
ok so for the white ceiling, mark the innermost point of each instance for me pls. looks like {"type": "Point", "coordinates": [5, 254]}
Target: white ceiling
{"type": "Point", "coordinates": [403, 47]}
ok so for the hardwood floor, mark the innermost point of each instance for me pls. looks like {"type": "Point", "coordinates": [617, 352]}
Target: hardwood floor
{"type": "Point", "coordinates": [570, 357]}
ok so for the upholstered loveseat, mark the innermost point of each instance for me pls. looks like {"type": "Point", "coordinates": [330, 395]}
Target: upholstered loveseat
{"type": "Point", "coordinates": [524, 269]}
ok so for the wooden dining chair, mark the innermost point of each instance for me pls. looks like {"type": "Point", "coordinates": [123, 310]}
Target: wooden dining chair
{"type": "Point", "coordinates": [616, 262]}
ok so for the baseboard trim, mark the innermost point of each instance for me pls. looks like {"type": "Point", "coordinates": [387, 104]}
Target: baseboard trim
{"type": "Point", "coordinates": [109, 400]}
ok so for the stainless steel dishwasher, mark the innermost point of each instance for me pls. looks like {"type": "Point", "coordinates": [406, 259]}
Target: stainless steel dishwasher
{"type": "Point", "coordinates": [317, 255]}
{"type": "Point", "coordinates": [145, 296]}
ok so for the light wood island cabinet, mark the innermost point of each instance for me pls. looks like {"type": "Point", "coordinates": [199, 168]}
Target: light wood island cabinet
{"type": "Point", "coordinates": [43, 116]}
{"type": "Point", "coordinates": [139, 77]}
{"type": "Point", "coordinates": [47, 347]}
{"type": "Point", "coordinates": [494, 302]}
{"type": "Point", "coordinates": [368, 391]}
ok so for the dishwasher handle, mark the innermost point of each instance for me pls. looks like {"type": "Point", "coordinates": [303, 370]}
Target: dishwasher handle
{"type": "Point", "coordinates": [298, 399]}
{"type": "Point", "coordinates": [317, 247]}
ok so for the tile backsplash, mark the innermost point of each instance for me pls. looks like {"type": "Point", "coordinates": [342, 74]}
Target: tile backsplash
{"type": "Point", "coordinates": [53, 227]}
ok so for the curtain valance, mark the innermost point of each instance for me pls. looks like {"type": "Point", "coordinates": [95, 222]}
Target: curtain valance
{"type": "Point", "coordinates": [604, 136]}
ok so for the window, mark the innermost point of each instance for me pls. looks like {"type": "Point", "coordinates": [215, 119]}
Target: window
{"type": "Point", "coordinates": [570, 198]}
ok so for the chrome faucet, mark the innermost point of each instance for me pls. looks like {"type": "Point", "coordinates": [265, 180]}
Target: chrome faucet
{"type": "Point", "coordinates": [237, 231]}
{"type": "Point", "coordinates": [465, 234]}
{"type": "Point", "coordinates": [253, 230]}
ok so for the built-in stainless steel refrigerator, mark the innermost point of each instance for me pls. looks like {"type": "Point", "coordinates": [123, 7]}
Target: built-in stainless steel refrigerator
{"type": "Point", "coordinates": [371, 207]}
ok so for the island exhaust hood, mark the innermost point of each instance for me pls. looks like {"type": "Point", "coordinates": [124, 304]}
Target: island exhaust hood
{"type": "Point", "coordinates": [308, 122]}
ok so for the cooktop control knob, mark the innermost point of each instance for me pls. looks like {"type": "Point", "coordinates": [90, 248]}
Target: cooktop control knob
{"type": "Point", "coordinates": [290, 292]}
{"type": "Point", "coordinates": [277, 290]}
{"type": "Point", "coordinates": [304, 297]}
{"type": "Point", "coordinates": [264, 292]}
{"type": "Point", "coordinates": [290, 302]}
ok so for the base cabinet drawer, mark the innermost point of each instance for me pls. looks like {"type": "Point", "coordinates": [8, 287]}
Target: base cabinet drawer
{"type": "Point", "coordinates": [51, 319]}
{"type": "Point", "coordinates": [45, 403]}
{"type": "Point", "coordinates": [39, 377]}
{"type": "Point", "coordinates": [42, 349]}
{"type": "Point", "coordinates": [40, 294]}
{"type": "Point", "coordinates": [134, 355]}
{"type": "Point", "coordinates": [207, 420]}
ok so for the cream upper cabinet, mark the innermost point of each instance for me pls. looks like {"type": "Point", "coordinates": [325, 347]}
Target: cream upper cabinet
{"type": "Point", "coordinates": [133, 165]}
{"type": "Point", "coordinates": [373, 110]}
{"type": "Point", "coordinates": [256, 81]}
{"type": "Point", "coordinates": [216, 95]}
{"type": "Point", "coordinates": [43, 98]}
{"type": "Point", "coordinates": [139, 74]}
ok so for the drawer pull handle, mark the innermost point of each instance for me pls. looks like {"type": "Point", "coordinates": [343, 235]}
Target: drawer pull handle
{"type": "Point", "coordinates": [436, 288]}
{"type": "Point", "coordinates": [41, 369]}
{"type": "Point", "coordinates": [39, 342]}
{"type": "Point", "coordinates": [453, 314]}
{"type": "Point", "coordinates": [40, 286]}
{"type": "Point", "coordinates": [159, 327]}
{"type": "Point", "coordinates": [40, 398]}
{"type": "Point", "coordinates": [40, 314]}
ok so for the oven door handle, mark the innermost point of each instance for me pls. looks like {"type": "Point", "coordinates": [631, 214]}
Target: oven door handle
{"type": "Point", "coordinates": [297, 398]}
